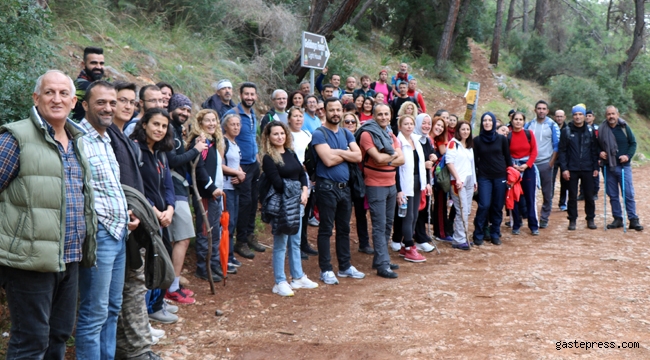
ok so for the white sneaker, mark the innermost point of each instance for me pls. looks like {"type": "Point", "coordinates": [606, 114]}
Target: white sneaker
{"type": "Point", "coordinates": [283, 289]}
{"type": "Point", "coordinates": [395, 246]}
{"type": "Point", "coordinates": [426, 247]}
{"type": "Point", "coordinates": [156, 332]}
{"type": "Point", "coordinates": [303, 283]}
{"type": "Point", "coordinates": [352, 272]}
{"type": "Point", "coordinates": [170, 308]}
{"type": "Point", "coordinates": [329, 278]}
{"type": "Point", "coordinates": [155, 340]}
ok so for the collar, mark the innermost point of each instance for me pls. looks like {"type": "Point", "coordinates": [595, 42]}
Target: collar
{"type": "Point", "coordinates": [92, 132]}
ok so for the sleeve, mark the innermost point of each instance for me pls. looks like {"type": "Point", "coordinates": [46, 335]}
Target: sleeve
{"type": "Point", "coordinates": [303, 175]}
{"type": "Point", "coordinates": [349, 137]}
{"type": "Point", "coordinates": [176, 161]}
{"type": "Point", "coordinates": [506, 151]}
{"type": "Point", "coordinates": [170, 197]}
{"type": "Point", "coordinates": [421, 102]}
{"type": "Point", "coordinates": [562, 147]}
{"type": "Point", "coordinates": [204, 181]}
{"type": "Point", "coordinates": [398, 183]}
{"type": "Point", "coordinates": [270, 168]}
{"type": "Point", "coordinates": [452, 153]}
{"type": "Point", "coordinates": [9, 160]}
{"type": "Point", "coordinates": [365, 141]}
{"type": "Point", "coordinates": [631, 141]}
{"type": "Point", "coordinates": [533, 150]}
{"type": "Point", "coordinates": [595, 151]}
{"type": "Point", "coordinates": [556, 135]}
{"type": "Point", "coordinates": [319, 82]}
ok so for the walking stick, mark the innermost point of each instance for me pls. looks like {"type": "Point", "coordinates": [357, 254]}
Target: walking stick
{"type": "Point", "coordinates": [624, 202]}
{"type": "Point", "coordinates": [206, 224]}
{"type": "Point", "coordinates": [605, 195]}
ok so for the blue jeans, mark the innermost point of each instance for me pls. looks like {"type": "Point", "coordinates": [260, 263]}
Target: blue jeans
{"type": "Point", "coordinates": [100, 298]}
{"type": "Point", "coordinates": [232, 205]}
{"type": "Point", "coordinates": [42, 307]}
{"type": "Point", "coordinates": [614, 178]}
{"type": "Point", "coordinates": [491, 197]}
{"type": "Point", "coordinates": [201, 244]}
{"type": "Point", "coordinates": [282, 243]}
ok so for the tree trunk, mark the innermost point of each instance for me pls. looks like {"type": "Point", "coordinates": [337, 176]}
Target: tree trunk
{"type": "Point", "coordinates": [540, 16]}
{"type": "Point", "coordinates": [447, 33]}
{"type": "Point", "coordinates": [609, 14]}
{"type": "Point", "coordinates": [361, 12]}
{"type": "Point", "coordinates": [318, 8]}
{"type": "Point", "coordinates": [42, 3]}
{"type": "Point", "coordinates": [511, 15]}
{"type": "Point", "coordinates": [496, 38]}
{"type": "Point", "coordinates": [637, 42]}
{"type": "Point", "coordinates": [462, 14]}
{"type": "Point", "coordinates": [338, 19]}
{"type": "Point", "coordinates": [524, 15]}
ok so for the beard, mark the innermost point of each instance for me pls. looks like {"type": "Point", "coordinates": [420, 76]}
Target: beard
{"type": "Point", "coordinates": [248, 103]}
{"type": "Point", "coordinates": [177, 118]}
{"type": "Point", "coordinates": [96, 74]}
{"type": "Point", "coordinates": [334, 119]}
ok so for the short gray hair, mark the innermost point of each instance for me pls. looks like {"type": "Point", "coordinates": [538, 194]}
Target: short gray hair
{"type": "Point", "coordinates": [39, 82]}
{"type": "Point", "coordinates": [275, 93]}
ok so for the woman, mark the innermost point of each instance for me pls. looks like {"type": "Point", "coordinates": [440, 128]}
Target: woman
{"type": "Point", "coordinates": [523, 149]}
{"type": "Point", "coordinates": [442, 225]}
{"type": "Point", "coordinates": [358, 102]}
{"type": "Point", "coordinates": [282, 167]}
{"type": "Point", "coordinates": [365, 113]}
{"type": "Point", "coordinates": [351, 122]}
{"type": "Point", "coordinates": [154, 137]}
{"type": "Point", "coordinates": [382, 87]}
{"type": "Point", "coordinates": [410, 181]}
{"type": "Point", "coordinates": [167, 91]}
{"type": "Point", "coordinates": [460, 161]}
{"type": "Point", "coordinates": [492, 157]}
{"type": "Point", "coordinates": [451, 126]}
{"type": "Point", "coordinates": [423, 128]}
{"type": "Point", "coordinates": [233, 176]}
{"type": "Point", "coordinates": [296, 99]}
{"type": "Point", "coordinates": [209, 178]}
{"type": "Point", "coordinates": [407, 108]}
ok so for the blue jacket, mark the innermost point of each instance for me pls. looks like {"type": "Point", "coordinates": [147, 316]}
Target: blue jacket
{"type": "Point", "coordinates": [555, 139]}
{"type": "Point", "coordinates": [247, 136]}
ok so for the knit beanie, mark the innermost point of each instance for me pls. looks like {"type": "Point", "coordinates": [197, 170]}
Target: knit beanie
{"type": "Point", "coordinates": [179, 101]}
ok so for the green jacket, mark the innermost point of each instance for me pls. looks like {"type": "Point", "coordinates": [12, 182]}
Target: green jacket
{"type": "Point", "coordinates": [32, 225]}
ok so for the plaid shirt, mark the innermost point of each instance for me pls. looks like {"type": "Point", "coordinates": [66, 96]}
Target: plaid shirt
{"type": "Point", "coordinates": [110, 203]}
{"type": "Point", "coordinates": [75, 222]}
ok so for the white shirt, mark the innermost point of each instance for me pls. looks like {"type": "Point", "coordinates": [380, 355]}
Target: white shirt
{"type": "Point", "coordinates": [406, 171]}
{"type": "Point", "coordinates": [463, 160]}
{"type": "Point", "coordinates": [301, 139]}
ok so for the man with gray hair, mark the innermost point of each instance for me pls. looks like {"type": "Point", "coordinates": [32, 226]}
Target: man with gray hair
{"type": "Point", "coordinates": [221, 101]}
{"type": "Point", "coordinates": [278, 112]}
{"type": "Point", "coordinates": [46, 201]}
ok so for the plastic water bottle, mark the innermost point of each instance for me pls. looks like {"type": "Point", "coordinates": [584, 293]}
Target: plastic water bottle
{"type": "Point", "coordinates": [402, 208]}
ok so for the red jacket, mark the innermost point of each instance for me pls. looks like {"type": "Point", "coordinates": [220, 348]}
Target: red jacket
{"type": "Point", "coordinates": [514, 187]}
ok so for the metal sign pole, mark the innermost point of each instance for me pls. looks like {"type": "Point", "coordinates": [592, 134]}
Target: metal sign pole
{"type": "Point", "coordinates": [311, 80]}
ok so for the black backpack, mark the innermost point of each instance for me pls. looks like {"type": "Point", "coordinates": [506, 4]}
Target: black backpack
{"type": "Point", "coordinates": [526, 131]}
{"type": "Point", "coordinates": [311, 155]}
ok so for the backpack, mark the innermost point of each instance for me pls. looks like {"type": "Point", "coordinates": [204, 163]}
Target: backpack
{"type": "Point", "coordinates": [442, 176]}
{"type": "Point", "coordinates": [310, 155]}
{"type": "Point", "coordinates": [526, 131]}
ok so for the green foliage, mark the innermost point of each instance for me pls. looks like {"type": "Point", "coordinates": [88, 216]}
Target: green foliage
{"type": "Point", "coordinates": [533, 56]}
{"type": "Point", "coordinates": [342, 48]}
{"type": "Point", "coordinates": [131, 68]}
{"type": "Point", "coordinates": [641, 95]}
{"type": "Point", "coordinates": [25, 52]}
{"type": "Point", "coordinates": [568, 91]}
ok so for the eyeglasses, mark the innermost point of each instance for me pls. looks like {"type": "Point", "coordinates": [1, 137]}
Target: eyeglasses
{"type": "Point", "coordinates": [349, 122]}
{"type": "Point", "coordinates": [155, 101]}
{"type": "Point", "coordinates": [125, 101]}
{"type": "Point", "coordinates": [320, 109]}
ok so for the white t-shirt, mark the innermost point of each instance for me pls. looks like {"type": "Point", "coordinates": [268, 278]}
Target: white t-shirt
{"type": "Point", "coordinates": [301, 139]}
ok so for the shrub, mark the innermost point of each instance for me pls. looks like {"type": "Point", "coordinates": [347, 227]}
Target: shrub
{"type": "Point", "coordinates": [532, 58]}
{"type": "Point", "coordinates": [568, 91]}
{"type": "Point", "coordinates": [25, 51]}
{"type": "Point", "coordinates": [641, 94]}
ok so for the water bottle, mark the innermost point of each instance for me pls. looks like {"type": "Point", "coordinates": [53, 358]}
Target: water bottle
{"type": "Point", "coordinates": [402, 208]}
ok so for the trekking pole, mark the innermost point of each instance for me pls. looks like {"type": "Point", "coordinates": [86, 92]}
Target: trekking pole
{"type": "Point", "coordinates": [605, 195]}
{"type": "Point", "coordinates": [624, 202]}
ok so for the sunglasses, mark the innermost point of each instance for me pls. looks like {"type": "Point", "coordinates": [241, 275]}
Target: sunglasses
{"type": "Point", "coordinates": [349, 122]}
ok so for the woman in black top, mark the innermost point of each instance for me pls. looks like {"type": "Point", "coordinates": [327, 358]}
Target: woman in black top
{"type": "Point", "coordinates": [492, 158]}
{"type": "Point", "coordinates": [280, 165]}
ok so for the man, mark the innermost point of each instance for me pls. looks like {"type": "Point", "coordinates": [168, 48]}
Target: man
{"type": "Point", "coordinates": [589, 120]}
{"type": "Point", "coordinates": [182, 226]}
{"type": "Point", "coordinates": [564, 185]}
{"type": "Point", "coordinates": [412, 92]}
{"type": "Point", "coordinates": [365, 89]}
{"type": "Point", "coordinates": [401, 98]}
{"type": "Point", "coordinates": [46, 202]}
{"type": "Point", "coordinates": [381, 86]}
{"type": "Point", "coordinates": [101, 286]}
{"type": "Point", "coordinates": [382, 156]}
{"type": "Point", "coordinates": [327, 92]}
{"type": "Point", "coordinates": [134, 337]}
{"type": "Point", "coordinates": [249, 189]}
{"type": "Point", "coordinates": [311, 119]}
{"type": "Point", "coordinates": [578, 158]}
{"type": "Point", "coordinates": [335, 81]}
{"type": "Point", "coordinates": [350, 85]}
{"type": "Point", "coordinates": [92, 70]}
{"type": "Point", "coordinates": [221, 101]}
{"type": "Point", "coordinates": [278, 112]}
{"type": "Point", "coordinates": [547, 134]}
{"type": "Point", "coordinates": [150, 97]}
{"type": "Point", "coordinates": [305, 88]}
{"type": "Point", "coordinates": [618, 146]}
{"type": "Point", "coordinates": [335, 148]}
{"type": "Point", "coordinates": [401, 76]}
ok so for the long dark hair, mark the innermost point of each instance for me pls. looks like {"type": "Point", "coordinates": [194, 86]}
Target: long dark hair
{"type": "Point", "coordinates": [139, 134]}
{"type": "Point", "coordinates": [469, 142]}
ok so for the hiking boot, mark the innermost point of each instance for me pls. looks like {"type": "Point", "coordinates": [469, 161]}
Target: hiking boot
{"type": "Point", "coordinates": [179, 296]}
{"type": "Point", "coordinates": [390, 266]}
{"type": "Point", "coordinates": [303, 256]}
{"type": "Point", "coordinates": [543, 224]}
{"type": "Point", "coordinates": [634, 224]}
{"type": "Point", "coordinates": [572, 225]}
{"type": "Point", "coordinates": [309, 250]}
{"type": "Point", "coordinates": [387, 273]}
{"type": "Point", "coordinates": [217, 271]}
{"type": "Point", "coordinates": [580, 197]}
{"type": "Point", "coordinates": [163, 316]}
{"type": "Point", "coordinates": [617, 223]}
{"type": "Point", "coordinates": [412, 255]}
{"type": "Point", "coordinates": [202, 276]}
{"type": "Point", "coordinates": [254, 244]}
{"type": "Point", "coordinates": [367, 250]}
{"type": "Point", "coordinates": [496, 241]}
{"type": "Point", "coordinates": [591, 224]}
{"type": "Point", "coordinates": [244, 251]}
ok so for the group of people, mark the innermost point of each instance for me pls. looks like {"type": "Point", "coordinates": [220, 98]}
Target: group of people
{"type": "Point", "coordinates": [90, 198]}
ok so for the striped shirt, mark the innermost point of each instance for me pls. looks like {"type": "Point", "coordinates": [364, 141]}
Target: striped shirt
{"type": "Point", "coordinates": [110, 203]}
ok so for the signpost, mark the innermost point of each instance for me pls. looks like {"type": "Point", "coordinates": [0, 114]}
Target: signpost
{"type": "Point", "coordinates": [471, 97]}
{"type": "Point", "coordinates": [314, 54]}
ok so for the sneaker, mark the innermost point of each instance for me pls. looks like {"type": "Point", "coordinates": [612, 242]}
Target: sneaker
{"type": "Point", "coordinates": [516, 232]}
{"type": "Point", "coordinates": [543, 224]}
{"type": "Point", "coordinates": [395, 246]}
{"type": "Point", "coordinates": [234, 262]}
{"type": "Point", "coordinates": [282, 289]}
{"type": "Point", "coordinates": [187, 291]}
{"type": "Point", "coordinates": [367, 250]}
{"type": "Point", "coordinates": [595, 197]}
{"type": "Point", "coordinates": [445, 239]}
{"type": "Point", "coordinates": [171, 308]}
{"type": "Point", "coordinates": [303, 283]}
{"type": "Point", "coordinates": [254, 244]}
{"type": "Point", "coordinates": [156, 332]}
{"type": "Point", "coordinates": [232, 269]}
{"type": "Point", "coordinates": [215, 277]}
{"type": "Point", "coordinates": [163, 316]}
{"type": "Point", "coordinates": [461, 246]}
{"type": "Point", "coordinates": [402, 251]}
{"type": "Point", "coordinates": [313, 221]}
{"type": "Point", "coordinates": [351, 272]}
{"type": "Point", "coordinates": [329, 278]}
{"type": "Point", "coordinates": [572, 225]}
{"type": "Point", "coordinates": [413, 255]}
{"type": "Point", "coordinates": [387, 273]}
{"type": "Point", "coordinates": [535, 232]}
{"type": "Point", "coordinates": [154, 340]}
{"type": "Point", "coordinates": [426, 247]}
{"type": "Point", "coordinates": [244, 251]}
{"type": "Point", "coordinates": [563, 208]}
{"type": "Point", "coordinates": [591, 224]}
{"type": "Point", "coordinates": [179, 296]}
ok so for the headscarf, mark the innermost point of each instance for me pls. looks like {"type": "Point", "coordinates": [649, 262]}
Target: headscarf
{"type": "Point", "coordinates": [488, 136]}
{"type": "Point", "coordinates": [418, 127]}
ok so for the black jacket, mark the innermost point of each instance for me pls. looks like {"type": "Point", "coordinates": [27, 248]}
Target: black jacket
{"type": "Point", "coordinates": [125, 152]}
{"type": "Point", "coordinates": [282, 210]}
{"type": "Point", "coordinates": [214, 102]}
{"type": "Point", "coordinates": [179, 160]}
{"type": "Point", "coordinates": [205, 170]}
{"type": "Point", "coordinates": [578, 149]}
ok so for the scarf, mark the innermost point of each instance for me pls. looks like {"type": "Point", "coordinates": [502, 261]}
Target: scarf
{"type": "Point", "coordinates": [607, 141]}
{"type": "Point", "coordinates": [488, 136]}
{"type": "Point", "coordinates": [418, 128]}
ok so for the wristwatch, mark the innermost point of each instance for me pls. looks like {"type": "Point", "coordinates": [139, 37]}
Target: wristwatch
{"type": "Point", "coordinates": [390, 162]}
